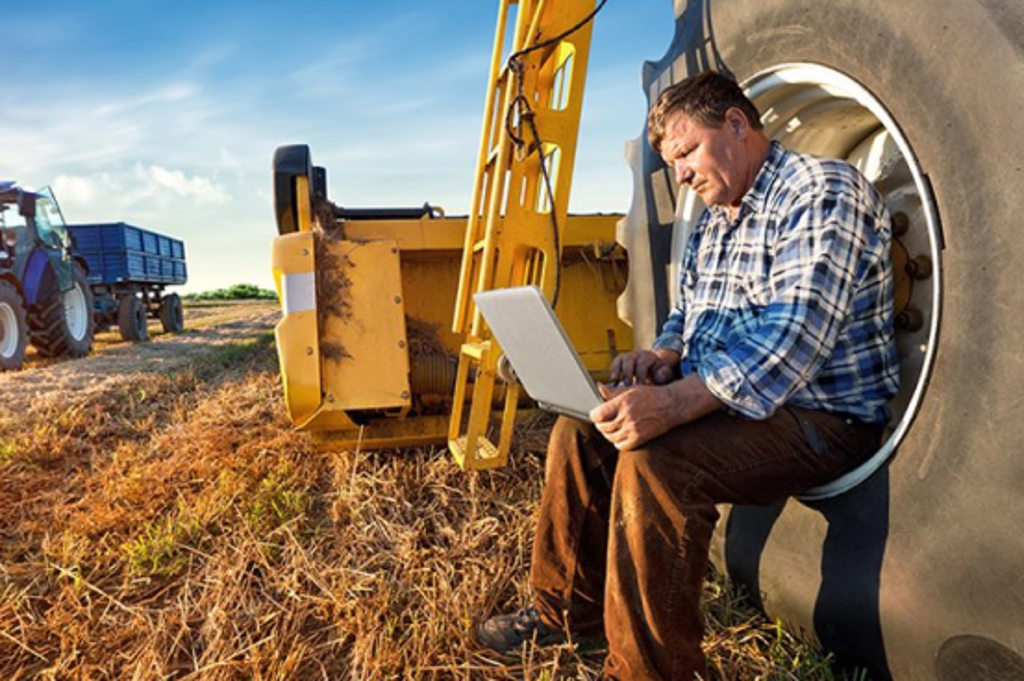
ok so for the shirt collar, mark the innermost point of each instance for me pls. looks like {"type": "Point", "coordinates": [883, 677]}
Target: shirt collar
{"type": "Point", "coordinates": [758, 192]}
{"type": "Point", "coordinates": [755, 197]}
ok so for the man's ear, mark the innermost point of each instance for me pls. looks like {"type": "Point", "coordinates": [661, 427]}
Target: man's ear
{"type": "Point", "coordinates": [737, 122]}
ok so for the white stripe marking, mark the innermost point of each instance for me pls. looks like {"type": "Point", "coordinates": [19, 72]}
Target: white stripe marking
{"type": "Point", "coordinates": [298, 292]}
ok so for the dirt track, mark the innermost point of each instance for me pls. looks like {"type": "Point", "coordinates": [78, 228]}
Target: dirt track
{"type": "Point", "coordinates": [208, 325]}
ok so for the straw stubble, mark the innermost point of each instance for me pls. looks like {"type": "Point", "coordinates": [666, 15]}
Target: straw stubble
{"type": "Point", "coordinates": [173, 526]}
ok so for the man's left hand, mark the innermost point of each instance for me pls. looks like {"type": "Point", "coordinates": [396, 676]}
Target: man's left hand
{"type": "Point", "coordinates": [634, 415]}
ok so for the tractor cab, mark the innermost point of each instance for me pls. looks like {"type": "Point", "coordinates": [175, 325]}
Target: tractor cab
{"type": "Point", "coordinates": [32, 222]}
{"type": "Point", "coordinates": [51, 229]}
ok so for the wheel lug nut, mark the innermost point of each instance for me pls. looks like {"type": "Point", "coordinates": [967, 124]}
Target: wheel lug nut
{"type": "Point", "coordinates": [910, 319]}
{"type": "Point", "coordinates": [920, 267]}
{"type": "Point", "coordinates": [900, 223]}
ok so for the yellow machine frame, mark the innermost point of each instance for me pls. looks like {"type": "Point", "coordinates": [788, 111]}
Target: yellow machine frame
{"type": "Point", "coordinates": [357, 288]}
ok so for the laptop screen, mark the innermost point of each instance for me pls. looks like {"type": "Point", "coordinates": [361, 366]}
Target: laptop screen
{"type": "Point", "coordinates": [539, 350]}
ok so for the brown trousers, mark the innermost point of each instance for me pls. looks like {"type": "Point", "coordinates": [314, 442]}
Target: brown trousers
{"type": "Point", "coordinates": [622, 540]}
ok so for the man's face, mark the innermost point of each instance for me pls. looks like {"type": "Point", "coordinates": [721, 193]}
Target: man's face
{"type": "Point", "coordinates": [712, 161]}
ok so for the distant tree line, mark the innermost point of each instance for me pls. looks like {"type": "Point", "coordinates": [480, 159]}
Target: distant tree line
{"type": "Point", "coordinates": [236, 292]}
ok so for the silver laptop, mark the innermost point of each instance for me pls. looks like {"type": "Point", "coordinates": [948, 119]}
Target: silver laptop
{"type": "Point", "coordinates": [535, 343]}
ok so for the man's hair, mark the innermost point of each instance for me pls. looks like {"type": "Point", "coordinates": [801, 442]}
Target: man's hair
{"type": "Point", "coordinates": [704, 99]}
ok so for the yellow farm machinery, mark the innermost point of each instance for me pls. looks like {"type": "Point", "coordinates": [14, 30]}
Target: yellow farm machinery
{"type": "Point", "coordinates": [380, 342]}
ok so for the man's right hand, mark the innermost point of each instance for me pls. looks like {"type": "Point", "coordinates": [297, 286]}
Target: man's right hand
{"type": "Point", "coordinates": [645, 366]}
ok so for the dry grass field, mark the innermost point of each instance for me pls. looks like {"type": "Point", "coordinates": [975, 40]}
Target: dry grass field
{"type": "Point", "coordinates": [160, 520]}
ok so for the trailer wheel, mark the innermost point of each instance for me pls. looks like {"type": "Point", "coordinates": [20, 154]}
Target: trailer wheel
{"type": "Point", "coordinates": [171, 314]}
{"type": "Point", "coordinates": [13, 328]}
{"type": "Point", "coordinates": [131, 319]}
{"type": "Point", "coordinates": [62, 324]}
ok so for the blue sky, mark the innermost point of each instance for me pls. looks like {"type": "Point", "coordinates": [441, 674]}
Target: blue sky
{"type": "Point", "coordinates": [166, 114]}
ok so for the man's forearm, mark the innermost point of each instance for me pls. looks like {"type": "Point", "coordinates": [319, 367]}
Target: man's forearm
{"type": "Point", "coordinates": [692, 398]}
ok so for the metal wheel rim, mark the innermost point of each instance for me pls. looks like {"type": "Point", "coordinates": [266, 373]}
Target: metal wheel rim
{"type": "Point", "coordinates": [796, 97]}
{"type": "Point", "coordinates": [75, 312]}
{"type": "Point", "coordinates": [8, 331]}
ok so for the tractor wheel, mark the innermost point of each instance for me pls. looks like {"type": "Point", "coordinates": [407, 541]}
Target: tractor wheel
{"type": "Point", "coordinates": [912, 571]}
{"type": "Point", "coordinates": [131, 319]}
{"type": "Point", "coordinates": [172, 317]}
{"type": "Point", "coordinates": [62, 324]}
{"type": "Point", "coordinates": [13, 328]}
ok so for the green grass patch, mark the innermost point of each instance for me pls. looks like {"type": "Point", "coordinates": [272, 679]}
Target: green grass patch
{"type": "Point", "coordinates": [161, 548]}
{"type": "Point", "coordinates": [276, 503]}
{"type": "Point", "coordinates": [227, 357]}
{"type": "Point", "coordinates": [237, 353]}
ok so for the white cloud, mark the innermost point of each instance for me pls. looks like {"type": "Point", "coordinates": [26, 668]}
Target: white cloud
{"type": "Point", "coordinates": [72, 189]}
{"type": "Point", "coordinates": [202, 189]}
{"type": "Point", "coordinates": [134, 192]}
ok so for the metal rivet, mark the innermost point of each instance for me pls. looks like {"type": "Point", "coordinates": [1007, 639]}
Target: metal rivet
{"type": "Point", "coordinates": [305, 251]}
{"type": "Point", "coordinates": [394, 250]}
{"type": "Point", "coordinates": [398, 299]}
{"type": "Point", "coordinates": [401, 343]}
{"type": "Point", "coordinates": [309, 351]}
{"type": "Point", "coordinates": [330, 397]}
{"type": "Point", "coordinates": [405, 394]}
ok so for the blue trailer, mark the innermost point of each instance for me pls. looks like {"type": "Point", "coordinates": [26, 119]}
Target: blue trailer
{"type": "Point", "coordinates": [128, 269]}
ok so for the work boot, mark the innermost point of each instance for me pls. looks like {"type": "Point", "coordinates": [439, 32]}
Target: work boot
{"type": "Point", "coordinates": [506, 633]}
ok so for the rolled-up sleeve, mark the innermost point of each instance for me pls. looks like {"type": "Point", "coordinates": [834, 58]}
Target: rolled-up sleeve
{"type": "Point", "coordinates": [671, 337]}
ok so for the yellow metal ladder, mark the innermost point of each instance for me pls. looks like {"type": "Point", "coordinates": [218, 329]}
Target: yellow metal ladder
{"type": "Point", "coordinates": [513, 233]}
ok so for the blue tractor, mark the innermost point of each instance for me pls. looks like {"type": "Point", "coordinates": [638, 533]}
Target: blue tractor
{"type": "Point", "coordinates": [45, 298]}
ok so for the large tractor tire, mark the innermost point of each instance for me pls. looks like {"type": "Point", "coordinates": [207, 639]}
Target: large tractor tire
{"type": "Point", "coordinates": [912, 569]}
{"type": "Point", "coordinates": [172, 317]}
{"type": "Point", "coordinates": [131, 319]}
{"type": "Point", "coordinates": [63, 324]}
{"type": "Point", "coordinates": [13, 328]}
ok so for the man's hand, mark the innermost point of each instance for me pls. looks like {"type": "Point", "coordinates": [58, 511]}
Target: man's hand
{"type": "Point", "coordinates": [645, 366]}
{"type": "Point", "coordinates": [635, 415]}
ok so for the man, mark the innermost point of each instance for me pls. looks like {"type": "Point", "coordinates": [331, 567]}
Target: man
{"type": "Point", "coordinates": [770, 377]}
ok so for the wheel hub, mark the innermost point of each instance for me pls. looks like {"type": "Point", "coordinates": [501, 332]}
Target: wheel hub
{"type": "Point", "coordinates": [8, 330]}
{"type": "Point", "coordinates": [76, 312]}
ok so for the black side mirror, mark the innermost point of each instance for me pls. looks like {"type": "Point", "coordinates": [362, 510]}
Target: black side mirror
{"type": "Point", "coordinates": [27, 204]}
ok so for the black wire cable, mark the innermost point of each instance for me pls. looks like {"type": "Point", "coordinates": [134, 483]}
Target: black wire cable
{"type": "Point", "coordinates": [519, 108]}
{"type": "Point", "coordinates": [564, 34]}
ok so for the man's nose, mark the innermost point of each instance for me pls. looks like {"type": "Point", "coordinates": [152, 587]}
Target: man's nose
{"type": "Point", "coordinates": [683, 172]}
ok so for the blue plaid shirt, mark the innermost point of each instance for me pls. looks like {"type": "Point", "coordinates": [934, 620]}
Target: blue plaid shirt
{"type": "Point", "coordinates": [791, 303]}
